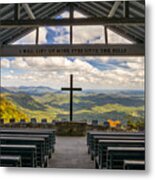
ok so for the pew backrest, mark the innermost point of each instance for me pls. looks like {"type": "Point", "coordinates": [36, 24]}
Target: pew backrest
{"type": "Point", "coordinates": [90, 134]}
{"type": "Point", "coordinates": [95, 141]}
{"type": "Point", "coordinates": [134, 165]}
{"type": "Point", "coordinates": [10, 161]}
{"type": "Point", "coordinates": [115, 156]}
{"type": "Point", "coordinates": [104, 144]}
{"type": "Point", "coordinates": [39, 142]}
{"type": "Point", "coordinates": [28, 153]}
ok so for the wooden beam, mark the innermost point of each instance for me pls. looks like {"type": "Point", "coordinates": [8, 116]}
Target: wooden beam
{"type": "Point", "coordinates": [74, 50]}
{"type": "Point", "coordinates": [17, 12]}
{"type": "Point", "coordinates": [67, 22]}
{"type": "Point", "coordinates": [126, 9]}
{"type": "Point", "coordinates": [28, 11]}
{"type": "Point", "coordinates": [114, 8]}
{"type": "Point", "coordinates": [106, 35]}
{"type": "Point", "coordinates": [110, 15]}
{"type": "Point", "coordinates": [37, 35]}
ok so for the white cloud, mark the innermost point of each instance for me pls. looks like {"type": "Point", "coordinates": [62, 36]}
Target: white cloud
{"type": "Point", "coordinates": [27, 39]}
{"type": "Point", "coordinates": [5, 63]}
{"type": "Point", "coordinates": [62, 39]}
{"type": "Point", "coordinates": [19, 63]}
{"type": "Point", "coordinates": [65, 14]}
{"type": "Point", "coordinates": [77, 14]}
{"type": "Point", "coordinates": [12, 71]}
{"type": "Point", "coordinates": [42, 35]}
{"type": "Point", "coordinates": [114, 38]}
{"type": "Point", "coordinates": [55, 71]}
{"type": "Point", "coordinates": [84, 33]}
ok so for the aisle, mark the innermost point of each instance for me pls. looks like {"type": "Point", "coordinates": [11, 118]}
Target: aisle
{"type": "Point", "coordinates": [71, 152]}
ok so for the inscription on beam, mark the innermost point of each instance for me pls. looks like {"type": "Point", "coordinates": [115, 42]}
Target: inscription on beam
{"type": "Point", "coordinates": [73, 50]}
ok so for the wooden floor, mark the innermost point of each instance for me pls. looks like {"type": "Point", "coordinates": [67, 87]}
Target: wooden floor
{"type": "Point", "coordinates": [71, 152]}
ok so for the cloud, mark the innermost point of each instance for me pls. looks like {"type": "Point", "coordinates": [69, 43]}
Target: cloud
{"type": "Point", "coordinates": [114, 38]}
{"type": "Point", "coordinates": [77, 14]}
{"type": "Point", "coordinates": [65, 14]}
{"type": "Point", "coordinates": [5, 63]}
{"type": "Point", "coordinates": [27, 39]}
{"type": "Point", "coordinates": [19, 63]}
{"type": "Point", "coordinates": [88, 34]}
{"type": "Point", "coordinates": [55, 71]}
{"type": "Point", "coordinates": [42, 35]}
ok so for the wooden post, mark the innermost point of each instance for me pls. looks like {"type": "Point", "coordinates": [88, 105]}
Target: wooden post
{"type": "Point", "coordinates": [37, 35]}
{"type": "Point", "coordinates": [106, 35]}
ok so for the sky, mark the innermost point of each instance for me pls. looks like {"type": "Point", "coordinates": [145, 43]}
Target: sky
{"type": "Point", "coordinates": [89, 72]}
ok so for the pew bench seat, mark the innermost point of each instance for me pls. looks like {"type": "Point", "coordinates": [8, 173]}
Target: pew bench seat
{"type": "Point", "coordinates": [100, 160]}
{"type": "Point", "coordinates": [28, 153]}
{"type": "Point", "coordinates": [32, 131]}
{"type": "Point", "coordinates": [39, 142]}
{"type": "Point", "coordinates": [10, 161]}
{"type": "Point", "coordinates": [116, 155]}
{"type": "Point", "coordinates": [134, 165]}
{"type": "Point", "coordinates": [94, 144]}
{"type": "Point", "coordinates": [91, 134]}
{"type": "Point", "coordinates": [48, 149]}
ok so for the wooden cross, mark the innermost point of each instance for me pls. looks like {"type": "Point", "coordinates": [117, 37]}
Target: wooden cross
{"type": "Point", "coordinates": [71, 89]}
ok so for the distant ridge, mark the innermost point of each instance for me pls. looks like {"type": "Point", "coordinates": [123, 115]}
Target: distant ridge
{"type": "Point", "coordinates": [39, 90]}
{"type": "Point", "coordinates": [31, 90]}
{"type": "Point", "coordinates": [4, 90]}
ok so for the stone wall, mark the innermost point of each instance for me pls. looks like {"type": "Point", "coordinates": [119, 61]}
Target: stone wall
{"type": "Point", "coordinates": [71, 129]}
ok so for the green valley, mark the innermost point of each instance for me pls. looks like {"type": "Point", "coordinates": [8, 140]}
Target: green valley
{"type": "Point", "coordinates": [87, 106]}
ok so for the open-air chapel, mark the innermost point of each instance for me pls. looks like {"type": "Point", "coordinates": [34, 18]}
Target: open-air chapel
{"type": "Point", "coordinates": [95, 29]}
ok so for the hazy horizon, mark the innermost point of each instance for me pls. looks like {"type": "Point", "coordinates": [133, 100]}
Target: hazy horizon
{"type": "Point", "coordinates": [54, 88]}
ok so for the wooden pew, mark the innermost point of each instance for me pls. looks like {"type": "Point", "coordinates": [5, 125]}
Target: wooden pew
{"type": "Point", "coordinates": [10, 161]}
{"type": "Point", "coordinates": [100, 133]}
{"type": "Point", "coordinates": [134, 165]}
{"type": "Point", "coordinates": [48, 150]}
{"type": "Point", "coordinates": [26, 131]}
{"type": "Point", "coordinates": [28, 153]}
{"type": "Point", "coordinates": [100, 160]}
{"type": "Point", "coordinates": [116, 155]}
{"type": "Point", "coordinates": [95, 141]}
{"type": "Point", "coordinates": [39, 142]}
{"type": "Point", "coordinates": [91, 134]}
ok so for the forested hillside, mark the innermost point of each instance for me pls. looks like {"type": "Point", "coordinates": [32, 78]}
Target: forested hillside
{"type": "Point", "coordinates": [123, 106]}
{"type": "Point", "coordinates": [9, 110]}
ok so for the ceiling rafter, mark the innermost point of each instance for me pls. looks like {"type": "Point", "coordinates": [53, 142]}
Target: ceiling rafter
{"type": "Point", "coordinates": [92, 9]}
{"type": "Point", "coordinates": [114, 8]}
{"type": "Point", "coordinates": [26, 31]}
{"type": "Point", "coordinates": [28, 11]}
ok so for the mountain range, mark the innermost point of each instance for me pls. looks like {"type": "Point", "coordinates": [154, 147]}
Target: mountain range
{"type": "Point", "coordinates": [31, 90]}
{"type": "Point", "coordinates": [45, 102]}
